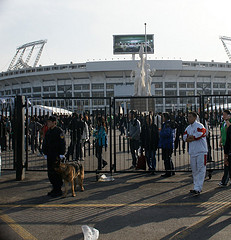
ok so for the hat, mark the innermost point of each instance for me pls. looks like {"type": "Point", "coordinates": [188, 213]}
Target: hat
{"type": "Point", "coordinates": [52, 119]}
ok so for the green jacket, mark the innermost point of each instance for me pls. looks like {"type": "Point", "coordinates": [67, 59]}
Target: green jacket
{"type": "Point", "coordinates": [223, 132]}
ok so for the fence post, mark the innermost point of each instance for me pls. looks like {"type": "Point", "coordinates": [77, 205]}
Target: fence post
{"type": "Point", "coordinates": [114, 118]}
{"type": "Point", "coordinates": [202, 102]}
{"type": "Point", "coordinates": [19, 137]}
{"type": "Point", "coordinates": [110, 114]}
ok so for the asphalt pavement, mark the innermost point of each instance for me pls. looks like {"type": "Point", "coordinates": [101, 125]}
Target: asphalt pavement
{"type": "Point", "coordinates": [133, 206]}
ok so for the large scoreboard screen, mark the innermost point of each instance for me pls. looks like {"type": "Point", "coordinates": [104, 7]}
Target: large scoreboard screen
{"type": "Point", "coordinates": [129, 44]}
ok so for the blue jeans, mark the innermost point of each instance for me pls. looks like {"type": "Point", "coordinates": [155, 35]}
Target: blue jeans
{"type": "Point", "coordinates": [151, 159]}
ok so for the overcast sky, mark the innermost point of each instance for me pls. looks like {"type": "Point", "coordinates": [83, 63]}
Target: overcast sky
{"type": "Point", "coordinates": [82, 30]}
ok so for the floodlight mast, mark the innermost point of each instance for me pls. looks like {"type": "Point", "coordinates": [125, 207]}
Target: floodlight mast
{"type": "Point", "coordinates": [20, 63]}
{"type": "Point", "coordinates": [223, 39]}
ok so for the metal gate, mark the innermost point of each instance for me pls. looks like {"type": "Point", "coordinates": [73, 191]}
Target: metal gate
{"type": "Point", "coordinates": [6, 133]}
{"type": "Point", "coordinates": [153, 106]}
{"type": "Point", "coordinates": [38, 110]}
{"type": "Point", "coordinates": [115, 111]}
{"type": "Point", "coordinates": [212, 109]}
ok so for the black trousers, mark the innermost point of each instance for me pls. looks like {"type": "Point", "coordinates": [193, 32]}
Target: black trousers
{"type": "Point", "coordinates": [168, 164]}
{"type": "Point", "coordinates": [134, 146]}
{"type": "Point", "coordinates": [54, 177]}
{"type": "Point", "coordinates": [227, 172]}
{"type": "Point", "coordinates": [225, 177]}
{"type": "Point", "coordinates": [101, 161]}
{"type": "Point", "coordinates": [99, 150]}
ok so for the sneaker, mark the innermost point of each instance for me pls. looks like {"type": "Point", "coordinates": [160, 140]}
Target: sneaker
{"type": "Point", "coordinates": [166, 175]}
{"type": "Point", "coordinates": [132, 167]}
{"type": "Point", "coordinates": [195, 192]}
{"type": "Point", "coordinates": [220, 184]}
{"type": "Point", "coordinates": [51, 192]}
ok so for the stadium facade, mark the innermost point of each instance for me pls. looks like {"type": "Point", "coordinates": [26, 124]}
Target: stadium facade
{"type": "Point", "coordinates": [113, 79]}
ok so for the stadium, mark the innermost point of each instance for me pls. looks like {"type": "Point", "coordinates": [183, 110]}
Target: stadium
{"type": "Point", "coordinates": [102, 79]}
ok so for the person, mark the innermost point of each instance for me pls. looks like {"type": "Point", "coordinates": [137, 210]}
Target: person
{"type": "Point", "coordinates": [3, 134]}
{"type": "Point", "coordinates": [54, 146]}
{"type": "Point", "coordinates": [207, 127]}
{"type": "Point", "coordinates": [133, 134]}
{"type": "Point", "coordinates": [76, 127]}
{"type": "Point", "coordinates": [84, 136]}
{"type": "Point", "coordinates": [195, 136]}
{"type": "Point", "coordinates": [34, 128]}
{"type": "Point", "coordinates": [227, 151]}
{"type": "Point", "coordinates": [158, 120]}
{"type": "Point", "coordinates": [42, 134]}
{"type": "Point", "coordinates": [225, 124]}
{"type": "Point", "coordinates": [100, 135]}
{"type": "Point", "coordinates": [166, 143]}
{"type": "Point", "coordinates": [181, 125]}
{"type": "Point", "coordinates": [149, 142]}
{"type": "Point", "coordinates": [122, 124]}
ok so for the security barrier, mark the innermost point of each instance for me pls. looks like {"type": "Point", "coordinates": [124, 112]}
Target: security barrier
{"type": "Point", "coordinates": [115, 111]}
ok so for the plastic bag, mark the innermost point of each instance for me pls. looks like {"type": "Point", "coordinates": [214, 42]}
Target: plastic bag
{"type": "Point", "coordinates": [90, 233]}
{"type": "Point", "coordinates": [104, 178]}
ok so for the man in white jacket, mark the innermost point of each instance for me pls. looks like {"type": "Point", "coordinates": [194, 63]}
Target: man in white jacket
{"type": "Point", "coordinates": [195, 136]}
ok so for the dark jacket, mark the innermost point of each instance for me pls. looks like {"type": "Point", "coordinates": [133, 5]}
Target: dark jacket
{"type": "Point", "coordinates": [181, 124]}
{"type": "Point", "coordinates": [149, 137]}
{"type": "Point", "coordinates": [76, 126]}
{"type": "Point", "coordinates": [54, 143]}
{"type": "Point", "coordinates": [227, 147]}
{"type": "Point", "coordinates": [166, 136]}
{"type": "Point", "coordinates": [134, 129]}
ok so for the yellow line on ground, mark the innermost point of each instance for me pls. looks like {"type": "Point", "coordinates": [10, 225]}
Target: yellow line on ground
{"type": "Point", "coordinates": [16, 227]}
{"type": "Point", "coordinates": [189, 230]}
{"type": "Point", "coordinates": [109, 205]}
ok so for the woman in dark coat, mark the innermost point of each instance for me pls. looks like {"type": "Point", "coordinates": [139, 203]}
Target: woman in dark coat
{"type": "Point", "coordinates": [149, 141]}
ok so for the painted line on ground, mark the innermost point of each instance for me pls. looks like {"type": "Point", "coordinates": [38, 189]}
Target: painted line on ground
{"type": "Point", "coordinates": [181, 235]}
{"type": "Point", "coordinates": [109, 205]}
{"type": "Point", "coordinates": [23, 233]}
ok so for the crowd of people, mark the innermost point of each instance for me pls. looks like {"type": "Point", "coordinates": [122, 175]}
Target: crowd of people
{"type": "Point", "coordinates": [145, 132]}
{"type": "Point", "coordinates": [149, 132]}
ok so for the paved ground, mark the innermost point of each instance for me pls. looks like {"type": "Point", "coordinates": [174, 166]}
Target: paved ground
{"type": "Point", "coordinates": [133, 206]}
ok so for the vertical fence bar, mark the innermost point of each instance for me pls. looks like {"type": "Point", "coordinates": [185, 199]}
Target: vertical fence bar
{"type": "Point", "coordinates": [20, 135]}
{"type": "Point", "coordinates": [114, 112]}
{"type": "Point", "coordinates": [110, 117]}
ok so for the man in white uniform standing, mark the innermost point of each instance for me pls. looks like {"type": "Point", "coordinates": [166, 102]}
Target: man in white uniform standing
{"type": "Point", "coordinates": [195, 136]}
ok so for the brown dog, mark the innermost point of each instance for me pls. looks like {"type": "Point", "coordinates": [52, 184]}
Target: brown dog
{"type": "Point", "coordinates": [70, 172]}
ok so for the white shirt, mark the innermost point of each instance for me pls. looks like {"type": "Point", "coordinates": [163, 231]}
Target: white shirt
{"type": "Point", "coordinates": [198, 131]}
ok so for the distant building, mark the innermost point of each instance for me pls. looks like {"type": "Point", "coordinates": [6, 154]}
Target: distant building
{"type": "Point", "coordinates": [112, 78]}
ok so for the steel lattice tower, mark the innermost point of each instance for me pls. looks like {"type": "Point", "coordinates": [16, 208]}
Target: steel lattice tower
{"type": "Point", "coordinates": [223, 40]}
{"type": "Point", "coordinates": [24, 53]}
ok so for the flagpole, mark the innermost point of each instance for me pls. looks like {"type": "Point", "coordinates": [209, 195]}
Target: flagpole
{"type": "Point", "coordinates": [146, 50]}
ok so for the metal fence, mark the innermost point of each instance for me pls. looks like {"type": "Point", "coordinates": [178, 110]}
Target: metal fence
{"type": "Point", "coordinates": [153, 106]}
{"type": "Point", "coordinates": [115, 111]}
{"type": "Point", "coordinates": [6, 133]}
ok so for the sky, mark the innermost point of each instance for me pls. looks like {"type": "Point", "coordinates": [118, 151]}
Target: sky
{"type": "Point", "coordinates": [82, 30]}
